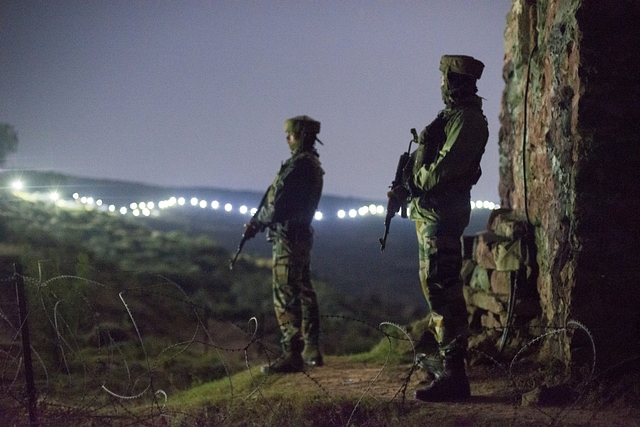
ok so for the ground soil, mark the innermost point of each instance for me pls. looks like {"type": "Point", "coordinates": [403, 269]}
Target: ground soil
{"type": "Point", "coordinates": [496, 399]}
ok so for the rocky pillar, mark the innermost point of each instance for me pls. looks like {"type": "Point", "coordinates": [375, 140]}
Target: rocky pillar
{"type": "Point", "coordinates": [569, 147]}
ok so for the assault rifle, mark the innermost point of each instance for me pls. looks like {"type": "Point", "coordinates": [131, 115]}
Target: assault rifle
{"type": "Point", "coordinates": [245, 237]}
{"type": "Point", "coordinates": [395, 204]}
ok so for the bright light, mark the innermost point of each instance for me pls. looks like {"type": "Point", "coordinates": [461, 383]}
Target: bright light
{"type": "Point", "coordinates": [142, 205]}
{"type": "Point", "coordinates": [54, 196]}
{"type": "Point", "coordinates": [123, 210]}
{"type": "Point", "coordinates": [112, 208]}
{"type": "Point", "coordinates": [363, 210]}
{"type": "Point", "coordinates": [17, 185]}
{"type": "Point", "coordinates": [253, 211]}
{"type": "Point", "coordinates": [99, 202]}
{"type": "Point", "coordinates": [181, 201]}
{"type": "Point", "coordinates": [215, 204]}
{"type": "Point", "coordinates": [228, 207]}
{"type": "Point", "coordinates": [136, 212]}
{"type": "Point", "coordinates": [380, 209]}
{"type": "Point", "coordinates": [89, 200]}
{"type": "Point", "coordinates": [243, 209]}
{"type": "Point", "coordinates": [318, 215]}
{"type": "Point", "coordinates": [203, 204]}
{"type": "Point", "coordinates": [146, 212]}
{"type": "Point", "coordinates": [76, 195]}
{"type": "Point", "coordinates": [341, 213]}
{"type": "Point", "coordinates": [353, 213]}
{"type": "Point", "coordinates": [372, 209]}
{"type": "Point", "coordinates": [133, 206]}
{"type": "Point", "coordinates": [194, 201]}
{"type": "Point", "coordinates": [150, 205]}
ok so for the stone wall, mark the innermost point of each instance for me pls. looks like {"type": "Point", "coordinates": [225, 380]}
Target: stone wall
{"type": "Point", "coordinates": [570, 162]}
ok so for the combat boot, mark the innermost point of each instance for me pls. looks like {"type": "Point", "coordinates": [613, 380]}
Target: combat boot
{"type": "Point", "coordinates": [290, 360]}
{"type": "Point", "coordinates": [430, 362]}
{"type": "Point", "coordinates": [285, 364]}
{"type": "Point", "coordinates": [312, 356]}
{"type": "Point", "coordinates": [451, 383]}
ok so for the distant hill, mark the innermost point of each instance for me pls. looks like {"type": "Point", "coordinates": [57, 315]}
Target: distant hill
{"type": "Point", "coordinates": [346, 251]}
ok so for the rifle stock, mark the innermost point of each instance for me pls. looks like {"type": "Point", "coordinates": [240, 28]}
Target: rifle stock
{"type": "Point", "coordinates": [394, 204]}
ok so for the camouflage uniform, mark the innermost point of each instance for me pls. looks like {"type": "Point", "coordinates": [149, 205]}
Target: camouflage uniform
{"type": "Point", "coordinates": [444, 167]}
{"type": "Point", "coordinates": [441, 208]}
{"type": "Point", "coordinates": [287, 211]}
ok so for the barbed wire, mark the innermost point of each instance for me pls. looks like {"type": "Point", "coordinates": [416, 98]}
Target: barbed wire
{"type": "Point", "coordinates": [81, 378]}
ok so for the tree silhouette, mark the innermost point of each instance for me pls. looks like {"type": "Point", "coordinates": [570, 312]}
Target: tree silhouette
{"type": "Point", "coordinates": [8, 142]}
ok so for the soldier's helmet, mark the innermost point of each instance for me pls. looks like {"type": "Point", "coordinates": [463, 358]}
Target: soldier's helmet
{"type": "Point", "coordinates": [461, 64]}
{"type": "Point", "coordinates": [302, 125]}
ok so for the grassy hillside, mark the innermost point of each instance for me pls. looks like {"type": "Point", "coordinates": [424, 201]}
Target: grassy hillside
{"type": "Point", "coordinates": [114, 302]}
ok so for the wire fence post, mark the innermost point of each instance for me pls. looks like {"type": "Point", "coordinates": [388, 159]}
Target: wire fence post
{"type": "Point", "coordinates": [26, 344]}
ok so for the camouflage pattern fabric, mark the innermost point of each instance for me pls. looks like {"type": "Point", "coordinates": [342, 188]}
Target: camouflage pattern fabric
{"type": "Point", "coordinates": [287, 211]}
{"type": "Point", "coordinates": [440, 206]}
{"type": "Point", "coordinates": [440, 258]}
{"type": "Point", "coordinates": [294, 299]}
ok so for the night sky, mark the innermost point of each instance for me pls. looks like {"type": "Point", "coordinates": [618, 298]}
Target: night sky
{"type": "Point", "coordinates": [195, 93]}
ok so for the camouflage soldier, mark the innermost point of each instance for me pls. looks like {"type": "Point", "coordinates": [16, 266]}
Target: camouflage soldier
{"type": "Point", "coordinates": [287, 211]}
{"type": "Point", "coordinates": [438, 182]}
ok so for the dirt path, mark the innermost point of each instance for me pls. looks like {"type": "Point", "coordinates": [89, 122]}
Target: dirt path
{"type": "Point", "coordinates": [493, 400]}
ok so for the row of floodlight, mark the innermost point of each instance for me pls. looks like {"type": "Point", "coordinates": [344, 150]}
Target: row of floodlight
{"type": "Point", "coordinates": [147, 208]}
{"type": "Point", "coordinates": [152, 209]}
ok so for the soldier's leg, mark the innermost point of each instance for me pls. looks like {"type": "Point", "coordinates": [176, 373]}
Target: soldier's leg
{"type": "Point", "coordinates": [427, 268]}
{"type": "Point", "coordinates": [287, 306]}
{"type": "Point", "coordinates": [310, 312]}
{"type": "Point", "coordinates": [441, 261]}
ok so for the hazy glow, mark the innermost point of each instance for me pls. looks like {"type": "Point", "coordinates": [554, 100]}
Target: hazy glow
{"type": "Point", "coordinates": [17, 185]}
{"type": "Point", "coordinates": [146, 208]}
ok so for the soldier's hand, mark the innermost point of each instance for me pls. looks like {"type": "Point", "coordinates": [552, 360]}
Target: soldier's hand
{"type": "Point", "coordinates": [250, 230]}
{"type": "Point", "coordinates": [398, 192]}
